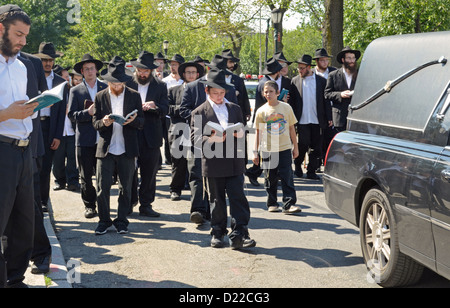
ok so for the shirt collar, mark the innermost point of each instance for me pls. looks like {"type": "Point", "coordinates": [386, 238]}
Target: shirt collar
{"type": "Point", "coordinates": [214, 105]}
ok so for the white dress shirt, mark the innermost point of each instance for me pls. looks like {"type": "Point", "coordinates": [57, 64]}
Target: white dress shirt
{"type": "Point", "coordinates": [309, 112]}
{"type": "Point", "coordinates": [172, 82]}
{"type": "Point", "coordinates": [221, 112]}
{"type": "Point", "coordinates": [13, 81]}
{"type": "Point", "coordinates": [117, 145]}
{"type": "Point", "coordinates": [143, 89]}
{"type": "Point", "coordinates": [46, 111]}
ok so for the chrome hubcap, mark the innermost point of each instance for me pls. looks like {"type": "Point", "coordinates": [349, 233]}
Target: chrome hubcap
{"type": "Point", "coordinates": [378, 235]}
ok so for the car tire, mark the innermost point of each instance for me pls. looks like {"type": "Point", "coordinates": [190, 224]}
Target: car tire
{"type": "Point", "coordinates": [386, 265]}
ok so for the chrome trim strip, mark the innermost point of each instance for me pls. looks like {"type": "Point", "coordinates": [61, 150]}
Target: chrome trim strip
{"type": "Point", "coordinates": [338, 181]}
{"type": "Point", "coordinates": [434, 221]}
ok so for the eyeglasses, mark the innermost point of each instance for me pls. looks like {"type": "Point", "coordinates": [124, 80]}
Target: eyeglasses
{"type": "Point", "coordinates": [302, 68]}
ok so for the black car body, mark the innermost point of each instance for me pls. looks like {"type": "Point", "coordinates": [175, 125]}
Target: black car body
{"type": "Point", "coordinates": [389, 173]}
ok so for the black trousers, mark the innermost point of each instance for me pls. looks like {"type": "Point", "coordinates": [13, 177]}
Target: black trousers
{"type": "Point", "coordinates": [65, 172]}
{"type": "Point", "coordinates": [47, 161]}
{"type": "Point", "coordinates": [16, 212]}
{"type": "Point", "coordinates": [125, 167]}
{"type": "Point", "coordinates": [41, 247]}
{"type": "Point", "coordinates": [87, 165]}
{"type": "Point", "coordinates": [310, 138]}
{"type": "Point", "coordinates": [148, 162]}
{"type": "Point", "coordinates": [233, 187]}
{"type": "Point", "coordinates": [199, 196]}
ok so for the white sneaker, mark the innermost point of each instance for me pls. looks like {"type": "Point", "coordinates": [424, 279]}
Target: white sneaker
{"type": "Point", "coordinates": [292, 210]}
{"type": "Point", "coordinates": [273, 209]}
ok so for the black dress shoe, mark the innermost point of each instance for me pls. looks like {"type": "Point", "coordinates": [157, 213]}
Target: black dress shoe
{"type": "Point", "coordinates": [217, 241]}
{"type": "Point", "coordinates": [59, 187]}
{"type": "Point", "coordinates": [197, 218]}
{"type": "Point", "coordinates": [89, 212]}
{"type": "Point", "coordinates": [73, 187]}
{"type": "Point", "coordinates": [41, 266]}
{"type": "Point", "coordinates": [253, 181]}
{"type": "Point", "coordinates": [174, 196]}
{"type": "Point", "coordinates": [312, 176]}
{"type": "Point", "coordinates": [298, 173]}
{"type": "Point", "coordinates": [148, 211]}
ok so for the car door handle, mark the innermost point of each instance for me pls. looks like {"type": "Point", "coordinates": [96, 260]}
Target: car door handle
{"type": "Point", "coordinates": [445, 174]}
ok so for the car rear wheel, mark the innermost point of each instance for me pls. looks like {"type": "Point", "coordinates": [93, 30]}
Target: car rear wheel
{"type": "Point", "coordinates": [387, 266]}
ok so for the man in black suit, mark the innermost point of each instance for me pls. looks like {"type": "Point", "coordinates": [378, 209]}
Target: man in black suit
{"type": "Point", "coordinates": [340, 85]}
{"type": "Point", "coordinates": [179, 128]}
{"type": "Point", "coordinates": [52, 119]}
{"type": "Point", "coordinates": [81, 110]}
{"type": "Point", "coordinates": [224, 171]}
{"type": "Point", "coordinates": [239, 84]}
{"type": "Point", "coordinates": [153, 94]}
{"type": "Point", "coordinates": [118, 146]}
{"type": "Point", "coordinates": [314, 113]}
{"type": "Point", "coordinates": [193, 96]}
{"type": "Point", "coordinates": [42, 249]}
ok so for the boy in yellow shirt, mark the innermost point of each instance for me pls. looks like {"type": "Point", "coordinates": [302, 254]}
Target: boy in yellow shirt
{"type": "Point", "coordinates": [275, 134]}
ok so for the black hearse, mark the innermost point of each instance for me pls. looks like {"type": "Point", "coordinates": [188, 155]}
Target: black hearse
{"type": "Point", "coordinates": [389, 173]}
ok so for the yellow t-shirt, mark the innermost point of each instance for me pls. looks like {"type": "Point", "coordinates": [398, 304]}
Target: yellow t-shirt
{"type": "Point", "coordinates": [273, 123]}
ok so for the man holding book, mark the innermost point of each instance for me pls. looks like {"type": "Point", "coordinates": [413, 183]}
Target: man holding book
{"type": "Point", "coordinates": [118, 144]}
{"type": "Point", "coordinates": [16, 203]}
{"type": "Point", "coordinates": [223, 161]}
{"type": "Point", "coordinates": [81, 110]}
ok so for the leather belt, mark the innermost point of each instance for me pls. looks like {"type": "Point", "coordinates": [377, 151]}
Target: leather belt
{"type": "Point", "coordinates": [16, 142]}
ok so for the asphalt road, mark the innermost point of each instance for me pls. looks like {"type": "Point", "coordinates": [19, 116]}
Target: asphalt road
{"type": "Point", "coordinates": [312, 249]}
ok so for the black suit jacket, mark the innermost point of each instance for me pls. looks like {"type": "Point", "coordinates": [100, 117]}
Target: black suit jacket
{"type": "Point", "coordinates": [195, 95]}
{"type": "Point", "coordinates": [337, 83]}
{"type": "Point", "coordinates": [242, 96]}
{"type": "Point", "coordinates": [151, 136]}
{"type": "Point", "coordinates": [323, 106]}
{"type": "Point", "coordinates": [58, 112]}
{"type": "Point", "coordinates": [36, 138]}
{"type": "Point", "coordinates": [132, 101]}
{"type": "Point", "coordinates": [85, 135]}
{"type": "Point", "coordinates": [219, 166]}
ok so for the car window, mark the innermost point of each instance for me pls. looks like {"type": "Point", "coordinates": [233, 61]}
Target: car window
{"type": "Point", "coordinates": [251, 91]}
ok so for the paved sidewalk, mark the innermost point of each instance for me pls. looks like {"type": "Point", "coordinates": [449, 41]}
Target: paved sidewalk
{"type": "Point", "coordinates": [57, 277]}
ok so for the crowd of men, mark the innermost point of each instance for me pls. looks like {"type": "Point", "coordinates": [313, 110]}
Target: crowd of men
{"type": "Point", "coordinates": [112, 123]}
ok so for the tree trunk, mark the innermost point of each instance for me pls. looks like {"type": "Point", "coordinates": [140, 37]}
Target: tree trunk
{"type": "Point", "coordinates": [333, 28]}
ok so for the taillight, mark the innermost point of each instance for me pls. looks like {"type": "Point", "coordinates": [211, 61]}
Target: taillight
{"type": "Point", "coordinates": [328, 150]}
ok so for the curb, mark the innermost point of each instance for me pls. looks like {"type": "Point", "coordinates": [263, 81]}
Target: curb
{"type": "Point", "coordinates": [57, 277]}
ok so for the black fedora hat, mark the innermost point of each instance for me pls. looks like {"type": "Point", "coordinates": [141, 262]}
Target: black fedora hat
{"type": "Point", "coordinates": [342, 53]}
{"type": "Point", "coordinates": [182, 68]}
{"type": "Point", "coordinates": [217, 79]}
{"type": "Point", "coordinates": [219, 63]}
{"type": "Point", "coordinates": [272, 67]}
{"type": "Point", "coordinates": [57, 69]}
{"type": "Point", "coordinates": [160, 56]}
{"type": "Point", "coordinates": [279, 56]}
{"type": "Point", "coordinates": [48, 51]}
{"type": "Point", "coordinates": [116, 71]}
{"type": "Point", "coordinates": [178, 58]}
{"type": "Point", "coordinates": [87, 58]}
{"type": "Point", "coordinates": [199, 59]}
{"type": "Point", "coordinates": [305, 59]}
{"type": "Point", "coordinates": [9, 8]}
{"type": "Point", "coordinates": [228, 54]}
{"type": "Point", "coordinates": [146, 60]}
{"type": "Point", "coordinates": [321, 53]}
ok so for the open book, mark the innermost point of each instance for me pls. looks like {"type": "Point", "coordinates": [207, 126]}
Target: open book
{"type": "Point", "coordinates": [49, 97]}
{"type": "Point", "coordinates": [120, 119]}
{"type": "Point", "coordinates": [219, 129]}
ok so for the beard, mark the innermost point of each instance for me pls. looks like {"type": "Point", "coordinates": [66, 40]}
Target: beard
{"type": "Point", "coordinates": [117, 92]}
{"type": "Point", "coordinates": [348, 66]}
{"type": "Point", "coordinates": [6, 47]}
{"type": "Point", "coordinates": [143, 81]}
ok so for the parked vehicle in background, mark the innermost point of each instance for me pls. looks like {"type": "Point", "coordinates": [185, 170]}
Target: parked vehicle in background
{"type": "Point", "coordinates": [389, 173]}
{"type": "Point", "coordinates": [251, 91]}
